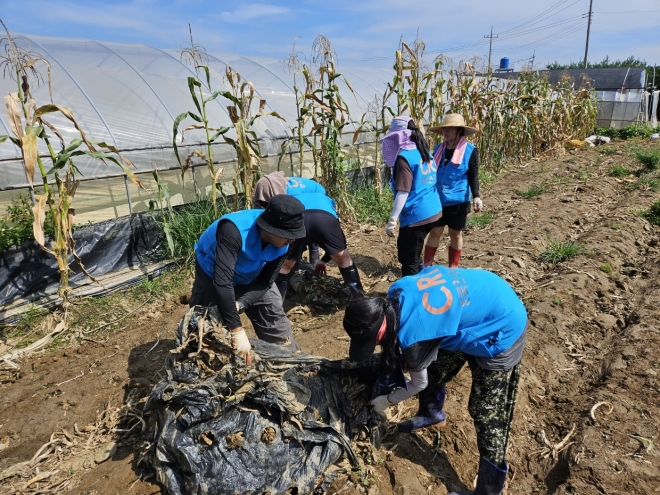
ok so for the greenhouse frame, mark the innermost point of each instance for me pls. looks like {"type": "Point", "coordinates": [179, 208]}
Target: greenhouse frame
{"type": "Point", "coordinates": [128, 95]}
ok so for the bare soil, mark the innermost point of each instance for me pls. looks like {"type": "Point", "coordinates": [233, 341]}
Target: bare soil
{"type": "Point", "coordinates": [594, 337]}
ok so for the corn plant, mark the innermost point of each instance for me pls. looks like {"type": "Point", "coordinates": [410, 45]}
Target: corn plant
{"type": "Point", "coordinates": [322, 118]}
{"type": "Point", "coordinates": [195, 55]}
{"type": "Point", "coordinates": [294, 64]}
{"type": "Point", "coordinates": [59, 182]}
{"type": "Point", "coordinates": [246, 142]}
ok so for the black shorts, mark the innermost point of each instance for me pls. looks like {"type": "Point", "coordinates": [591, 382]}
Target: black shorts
{"type": "Point", "coordinates": [323, 229]}
{"type": "Point", "coordinates": [454, 216]}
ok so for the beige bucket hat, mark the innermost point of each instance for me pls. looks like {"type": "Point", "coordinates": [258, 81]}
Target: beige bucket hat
{"type": "Point", "coordinates": [453, 120]}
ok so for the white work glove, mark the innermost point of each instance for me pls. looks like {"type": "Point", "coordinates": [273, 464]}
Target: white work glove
{"type": "Point", "coordinates": [477, 204]}
{"type": "Point", "coordinates": [241, 345]}
{"type": "Point", "coordinates": [239, 307]}
{"type": "Point", "coordinates": [391, 226]}
{"type": "Point", "coordinates": [381, 403]}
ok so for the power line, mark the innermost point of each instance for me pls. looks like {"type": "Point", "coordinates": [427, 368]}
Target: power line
{"type": "Point", "coordinates": [545, 41]}
{"type": "Point", "coordinates": [627, 11]}
{"type": "Point", "coordinates": [541, 28]}
{"type": "Point", "coordinates": [528, 21]}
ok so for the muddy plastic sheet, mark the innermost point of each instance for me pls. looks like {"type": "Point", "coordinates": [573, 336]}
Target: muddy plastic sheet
{"type": "Point", "coordinates": [218, 426]}
{"type": "Point", "coordinates": [28, 272]}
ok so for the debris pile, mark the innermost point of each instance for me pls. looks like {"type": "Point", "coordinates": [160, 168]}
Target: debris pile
{"type": "Point", "coordinates": [219, 426]}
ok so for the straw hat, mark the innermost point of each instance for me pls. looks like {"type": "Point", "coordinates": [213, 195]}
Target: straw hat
{"type": "Point", "coordinates": [453, 120]}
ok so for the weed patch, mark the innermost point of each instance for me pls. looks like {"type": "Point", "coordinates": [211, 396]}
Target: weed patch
{"type": "Point", "coordinates": [559, 251]}
{"type": "Point", "coordinates": [480, 220]}
{"type": "Point", "coordinates": [369, 206]}
{"type": "Point", "coordinates": [618, 171]}
{"type": "Point", "coordinates": [649, 158]}
{"type": "Point", "coordinates": [653, 213]}
{"type": "Point", "coordinates": [533, 191]}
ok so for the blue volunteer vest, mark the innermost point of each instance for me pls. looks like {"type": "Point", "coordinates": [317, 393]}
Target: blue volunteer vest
{"type": "Point", "coordinates": [299, 185]}
{"type": "Point", "coordinates": [422, 201]}
{"type": "Point", "coordinates": [452, 179]}
{"type": "Point", "coordinates": [251, 258]}
{"type": "Point", "coordinates": [473, 311]}
{"type": "Point", "coordinates": [317, 201]}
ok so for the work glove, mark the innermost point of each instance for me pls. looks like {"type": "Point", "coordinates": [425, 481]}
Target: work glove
{"type": "Point", "coordinates": [241, 345]}
{"type": "Point", "coordinates": [239, 307]}
{"type": "Point", "coordinates": [381, 403]}
{"type": "Point", "coordinates": [391, 226]}
{"type": "Point", "coordinates": [477, 204]}
{"type": "Point", "coordinates": [320, 269]}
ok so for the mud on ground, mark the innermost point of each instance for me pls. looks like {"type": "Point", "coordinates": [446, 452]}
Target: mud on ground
{"type": "Point", "coordinates": [594, 338]}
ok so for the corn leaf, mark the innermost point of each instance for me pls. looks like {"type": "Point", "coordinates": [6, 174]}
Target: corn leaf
{"type": "Point", "coordinates": [29, 150]}
{"type": "Point", "coordinates": [14, 115]}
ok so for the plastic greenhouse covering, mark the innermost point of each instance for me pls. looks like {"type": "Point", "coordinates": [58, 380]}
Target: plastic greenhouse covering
{"type": "Point", "coordinates": [128, 95]}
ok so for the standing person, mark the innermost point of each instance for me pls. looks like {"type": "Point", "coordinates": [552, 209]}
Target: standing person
{"type": "Point", "coordinates": [416, 203]}
{"type": "Point", "coordinates": [433, 323]}
{"type": "Point", "coordinates": [458, 176]}
{"type": "Point", "coordinates": [237, 260]}
{"type": "Point", "coordinates": [322, 229]}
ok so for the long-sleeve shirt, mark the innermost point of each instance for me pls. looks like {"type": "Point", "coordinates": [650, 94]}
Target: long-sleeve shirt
{"type": "Point", "coordinates": [226, 253]}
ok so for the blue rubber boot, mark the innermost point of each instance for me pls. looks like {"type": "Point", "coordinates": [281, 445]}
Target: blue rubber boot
{"type": "Point", "coordinates": [490, 481]}
{"type": "Point", "coordinates": [430, 413]}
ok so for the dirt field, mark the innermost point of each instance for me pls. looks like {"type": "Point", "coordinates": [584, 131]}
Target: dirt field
{"type": "Point", "coordinates": [594, 337]}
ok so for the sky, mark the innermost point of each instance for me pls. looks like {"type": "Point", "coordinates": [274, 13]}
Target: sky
{"type": "Point", "coordinates": [363, 32]}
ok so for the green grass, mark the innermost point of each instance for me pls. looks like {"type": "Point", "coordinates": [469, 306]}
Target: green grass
{"type": "Point", "coordinates": [533, 191]}
{"type": "Point", "coordinates": [16, 224]}
{"type": "Point", "coordinates": [653, 213]}
{"type": "Point", "coordinates": [371, 207]}
{"type": "Point", "coordinates": [607, 151]}
{"type": "Point", "coordinates": [562, 179]}
{"type": "Point", "coordinates": [615, 226]}
{"type": "Point", "coordinates": [559, 251]}
{"type": "Point", "coordinates": [649, 158]}
{"type": "Point", "coordinates": [188, 223]}
{"type": "Point", "coordinates": [480, 220]}
{"type": "Point", "coordinates": [607, 268]}
{"type": "Point", "coordinates": [646, 182]}
{"type": "Point", "coordinates": [486, 176]}
{"type": "Point", "coordinates": [618, 171]}
{"type": "Point", "coordinates": [557, 301]}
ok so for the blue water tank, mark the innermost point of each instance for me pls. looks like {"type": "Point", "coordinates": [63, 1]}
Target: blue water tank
{"type": "Point", "coordinates": [504, 63]}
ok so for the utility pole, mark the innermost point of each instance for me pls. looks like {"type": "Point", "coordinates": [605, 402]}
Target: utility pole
{"type": "Point", "coordinates": [490, 49]}
{"type": "Point", "coordinates": [586, 48]}
{"type": "Point", "coordinates": [532, 62]}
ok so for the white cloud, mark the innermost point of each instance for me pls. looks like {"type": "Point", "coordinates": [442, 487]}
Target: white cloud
{"type": "Point", "coordinates": [253, 11]}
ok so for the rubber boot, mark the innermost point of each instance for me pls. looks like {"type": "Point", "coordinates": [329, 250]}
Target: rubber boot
{"type": "Point", "coordinates": [430, 413]}
{"type": "Point", "coordinates": [429, 254]}
{"type": "Point", "coordinates": [313, 254]}
{"type": "Point", "coordinates": [490, 480]}
{"type": "Point", "coordinates": [454, 255]}
{"type": "Point", "coordinates": [352, 280]}
{"type": "Point", "coordinates": [282, 283]}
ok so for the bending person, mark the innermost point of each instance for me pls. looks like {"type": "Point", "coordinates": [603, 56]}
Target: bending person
{"type": "Point", "coordinates": [433, 323]}
{"type": "Point", "coordinates": [322, 228]}
{"type": "Point", "coordinates": [237, 260]}
{"type": "Point", "coordinates": [458, 177]}
{"type": "Point", "coordinates": [416, 203]}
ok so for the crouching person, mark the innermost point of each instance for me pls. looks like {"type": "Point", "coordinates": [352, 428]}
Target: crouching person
{"type": "Point", "coordinates": [433, 323]}
{"type": "Point", "coordinates": [322, 228]}
{"type": "Point", "coordinates": [237, 260]}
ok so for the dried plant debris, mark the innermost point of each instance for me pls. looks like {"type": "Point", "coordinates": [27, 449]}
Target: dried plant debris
{"type": "Point", "coordinates": [279, 423]}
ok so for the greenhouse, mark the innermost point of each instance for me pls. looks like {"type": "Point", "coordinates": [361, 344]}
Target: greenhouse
{"type": "Point", "coordinates": [621, 92]}
{"type": "Point", "coordinates": [128, 96]}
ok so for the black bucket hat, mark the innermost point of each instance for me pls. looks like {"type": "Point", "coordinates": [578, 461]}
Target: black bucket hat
{"type": "Point", "coordinates": [283, 217]}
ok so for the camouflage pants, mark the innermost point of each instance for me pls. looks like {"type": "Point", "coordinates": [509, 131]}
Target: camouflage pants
{"type": "Point", "coordinates": [492, 400]}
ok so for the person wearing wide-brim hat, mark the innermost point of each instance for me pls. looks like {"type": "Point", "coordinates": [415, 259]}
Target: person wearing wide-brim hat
{"type": "Point", "coordinates": [458, 181]}
{"type": "Point", "coordinates": [238, 258]}
{"type": "Point", "coordinates": [432, 324]}
{"type": "Point", "coordinates": [416, 203]}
